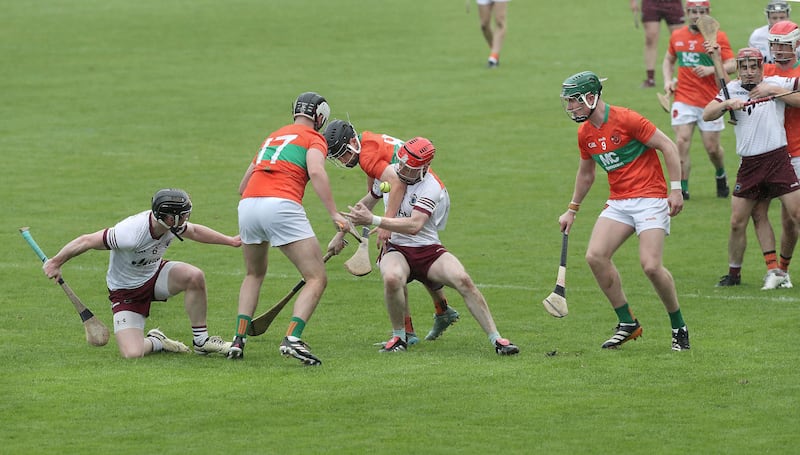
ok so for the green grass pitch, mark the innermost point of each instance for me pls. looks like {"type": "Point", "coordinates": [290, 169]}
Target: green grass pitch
{"type": "Point", "coordinates": [104, 102]}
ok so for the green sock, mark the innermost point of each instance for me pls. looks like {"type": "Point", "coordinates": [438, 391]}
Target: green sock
{"type": "Point", "coordinates": [685, 185]}
{"type": "Point", "coordinates": [676, 319]}
{"type": "Point", "coordinates": [624, 314]}
{"type": "Point", "coordinates": [720, 172]}
{"type": "Point", "coordinates": [242, 323]}
{"type": "Point", "coordinates": [296, 327]}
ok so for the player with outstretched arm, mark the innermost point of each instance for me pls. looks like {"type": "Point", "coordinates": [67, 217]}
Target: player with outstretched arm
{"type": "Point", "coordinates": [624, 144]}
{"type": "Point", "coordinates": [414, 251]}
{"type": "Point", "coordinates": [138, 274]}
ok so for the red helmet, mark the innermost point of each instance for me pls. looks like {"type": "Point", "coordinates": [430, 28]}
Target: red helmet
{"type": "Point", "coordinates": [414, 158]}
{"type": "Point", "coordinates": [748, 53]}
{"type": "Point", "coordinates": [698, 4]}
{"type": "Point", "coordinates": [783, 33]}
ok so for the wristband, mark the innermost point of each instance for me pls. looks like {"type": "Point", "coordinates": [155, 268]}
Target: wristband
{"type": "Point", "coordinates": [376, 220]}
{"type": "Point", "coordinates": [574, 207]}
{"type": "Point", "coordinates": [675, 185]}
{"type": "Point", "coordinates": [572, 211]}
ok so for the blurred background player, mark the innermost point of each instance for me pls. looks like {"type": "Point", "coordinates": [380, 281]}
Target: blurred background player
{"type": "Point", "coordinates": [775, 11]}
{"type": "Point", "coordinates": [624, 144]}
{"type": "Point", "coordinates": [374, 154]}
{"type": "Point", "coordinates": [138, 274]}
{"type": "Point", "coordinates": [695, 85]}
{"type": "Point", "coordinates": [494, 35]}
{"type": "Point", "coordinates": [652, 13]}
{"type": "Point", "coordinates": [783, 39]}
{"type": "Point", "coordinates": [414, 251]}
{"type": "Point", "coordinates": [271, 213]}
{"type": "Point", "coordinates": [765, 170]}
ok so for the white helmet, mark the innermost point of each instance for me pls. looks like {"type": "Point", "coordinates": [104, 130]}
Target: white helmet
{"type": "Point", "coordinates": [784, 33]}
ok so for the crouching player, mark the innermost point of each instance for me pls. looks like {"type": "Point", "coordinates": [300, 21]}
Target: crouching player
{"type": "Point", "coordinates": [414, 251]}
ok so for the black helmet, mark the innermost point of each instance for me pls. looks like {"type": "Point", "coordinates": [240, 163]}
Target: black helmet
{"type": "Point", "coordinates": [338, 135]}
{"type": "Point", "coordinates": [173, 202]}
{"type": "Point", "coordinates": [314, 107]}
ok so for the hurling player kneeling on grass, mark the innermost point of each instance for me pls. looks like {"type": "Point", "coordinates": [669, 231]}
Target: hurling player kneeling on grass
{"type": "Point", "coordinates": [138, 274]}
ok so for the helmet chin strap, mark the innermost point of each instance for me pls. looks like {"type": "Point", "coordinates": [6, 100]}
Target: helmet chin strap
{"type": "Point", "coordinates": [174, 229]}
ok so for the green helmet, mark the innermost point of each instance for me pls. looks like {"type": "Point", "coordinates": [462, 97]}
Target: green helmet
{"type": "Point", "coordinates": [577, 87]}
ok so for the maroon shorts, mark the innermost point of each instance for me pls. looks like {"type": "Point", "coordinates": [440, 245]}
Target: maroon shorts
{"type": "Point", "coordinates": [420, 259]}
{"type": "Point", "coordinates": [137, 300]}
{"type": "Point", "coordinates": [669, 10]}
{"type": "Point", "coordinates": [766, 176]}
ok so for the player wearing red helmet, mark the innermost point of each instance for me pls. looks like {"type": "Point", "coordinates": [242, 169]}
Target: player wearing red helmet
{"type": "Point", "coordinates": [693, 87]}
{"type": "Point", "coordinates": [765, 170]}
{"type": "Point", "coordinates": [783, 40]}
{"type": "Point", "coordinates": [414, 251]}
{"type": "Point", "coordinates": [376, 154]}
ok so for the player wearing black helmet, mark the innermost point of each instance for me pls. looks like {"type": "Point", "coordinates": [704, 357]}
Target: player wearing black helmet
{"type": "Point", "coordinates": [138, 274]}
{"type": "Point", "coordinates": [271, 214]}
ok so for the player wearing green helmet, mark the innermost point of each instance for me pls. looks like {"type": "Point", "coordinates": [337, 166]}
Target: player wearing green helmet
{"type": "Point", "coordinates": [584, 87]}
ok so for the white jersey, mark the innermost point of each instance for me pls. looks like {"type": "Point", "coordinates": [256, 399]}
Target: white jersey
{"type": "Point", "coordinates": [759, 127]}
{"type": "Point", "coordinates": [430, 197]}
{"type": "Point", "coordinates": [759, 39]}
{"type": "Point", "coordinates": [135, 254]}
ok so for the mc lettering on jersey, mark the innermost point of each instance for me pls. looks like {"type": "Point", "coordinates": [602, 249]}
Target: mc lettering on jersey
{"type": "Point", "coordinates": [608, 160]}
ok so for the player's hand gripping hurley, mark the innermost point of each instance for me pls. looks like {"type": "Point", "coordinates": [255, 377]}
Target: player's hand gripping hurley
{"type": "Point", "coordinates": [556, 302]}
{"type": "Point", "coordinates": [96, 332]}
{"type": "Point", "coordinates": [709, 27]}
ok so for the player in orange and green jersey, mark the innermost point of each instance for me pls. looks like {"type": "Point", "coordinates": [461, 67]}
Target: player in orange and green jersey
{"type": "Point", "coordinates": [696, 84]}
{"type": "Point", "coordinates": [375, 153]}
{"type": "Point", "coordinates": [784, 37]}
{"type": "Point", "coordinates": [271, 213]}
{"type": "Point", "coordinates": [624, 144]}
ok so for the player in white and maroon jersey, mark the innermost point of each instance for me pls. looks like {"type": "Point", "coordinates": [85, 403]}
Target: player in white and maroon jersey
{"type": "Point", "coordinates": [375, 154]}
{"type": "Point", "coordinates": [138, 275]}
{"type": "Point", "coordinates": [766, 170]}
{"type": "Point", "coordinates": [414, 251]}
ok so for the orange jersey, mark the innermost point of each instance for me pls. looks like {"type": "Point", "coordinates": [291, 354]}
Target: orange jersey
{"type": "Point", "coordinates": [791, 119]}
{"type": "Point", "coordinates": [687, 48]}
{"type": "Point", "coordinates": [379, 151]}
{"type": "Point", "coordinates": [280, 164]}
{"type": "Point", "coordinates": [618, 146]}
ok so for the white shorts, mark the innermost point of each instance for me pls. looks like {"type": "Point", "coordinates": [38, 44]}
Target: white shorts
{"type": "Point", "coordinates": [489, 2]}
{"type": "Point", "coordinates": [128, 320]}
{"type": "Point", "coordinates": [684, 114]}
{"type": "Point", "coordinates": [640, 213]}
{"type": "Point", "coordinates": [275, 220]}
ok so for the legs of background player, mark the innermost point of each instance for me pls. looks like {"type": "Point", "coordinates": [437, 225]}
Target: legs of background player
{"type": "Point", "coordinates": [494, 37]}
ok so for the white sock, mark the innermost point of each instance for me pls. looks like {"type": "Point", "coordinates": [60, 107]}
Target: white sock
{"type": "Point", "coordinates": [157, 344]}
{"type": "Point", "coordinates": [200, 335]}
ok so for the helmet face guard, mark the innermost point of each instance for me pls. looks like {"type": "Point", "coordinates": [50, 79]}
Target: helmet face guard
{"type": "Point", "coordinates": [414, 159]}
{"type": "Point", "coordinates": [783, 39]}
{"type": "Point", "coordinates": [341, 152]}
{"type": "Point", "coordinates": [749, 62]}
{"type": "Point", "coordinates": [173, 203]}
{"type": "Point", "coordinates": [574, 94]}
{"type": "Point", "coordinates": [313, 106]}
{"type": "Point", "coordinates": [777, 6]}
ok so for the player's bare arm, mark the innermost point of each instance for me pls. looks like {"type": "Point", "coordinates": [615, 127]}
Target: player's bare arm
{"type": "Point", "coordinates": [204, 234]}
